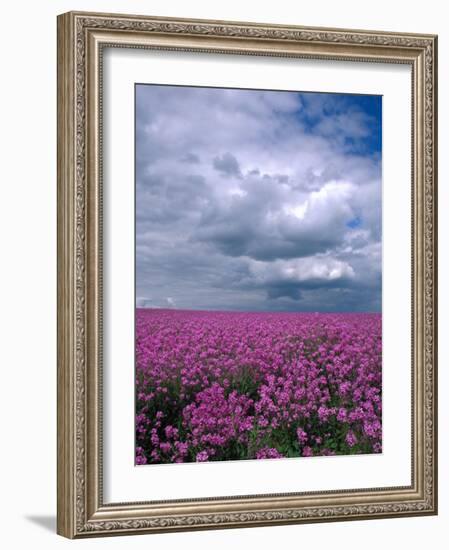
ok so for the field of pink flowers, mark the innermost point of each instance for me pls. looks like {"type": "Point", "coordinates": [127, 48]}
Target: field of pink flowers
{"type": "Point", "coordinates": [231, 386]}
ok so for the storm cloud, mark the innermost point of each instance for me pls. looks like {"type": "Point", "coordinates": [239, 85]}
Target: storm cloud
{"type": "Point", "coordinates": [257, 200]}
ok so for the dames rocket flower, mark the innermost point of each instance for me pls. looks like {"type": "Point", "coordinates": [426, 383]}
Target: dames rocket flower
{"type": "Point", "coordinates": [231, 386]}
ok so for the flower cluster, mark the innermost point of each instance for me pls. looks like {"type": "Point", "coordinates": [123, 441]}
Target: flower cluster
{"type": "Point", "coordinates": [230, 386]}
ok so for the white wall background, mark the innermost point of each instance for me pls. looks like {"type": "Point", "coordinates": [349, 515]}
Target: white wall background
{"type": "Point", "coordinates": [28, 271]}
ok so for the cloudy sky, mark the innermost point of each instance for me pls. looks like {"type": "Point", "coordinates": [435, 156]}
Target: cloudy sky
{"type": "Point", "coordinates": [257, 200]}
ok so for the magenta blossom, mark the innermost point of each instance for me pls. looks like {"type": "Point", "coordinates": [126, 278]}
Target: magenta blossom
{"type": "Point", "coordinates": [231, 386]}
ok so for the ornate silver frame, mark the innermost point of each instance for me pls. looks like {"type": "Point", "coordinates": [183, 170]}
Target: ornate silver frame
{"type": "Point", "coordinates": [81, 38]}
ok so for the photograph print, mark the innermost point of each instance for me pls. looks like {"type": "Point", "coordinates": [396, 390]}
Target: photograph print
{"type": "Point", "coordinates": [258, 274]}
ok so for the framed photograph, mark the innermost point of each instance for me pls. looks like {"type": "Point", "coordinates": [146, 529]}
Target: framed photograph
{"type": "Point", "coordinates": [247, 282]}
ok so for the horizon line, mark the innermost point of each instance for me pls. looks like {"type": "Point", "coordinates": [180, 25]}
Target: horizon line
{"type": "Point", "coordinates": [156, 308]}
